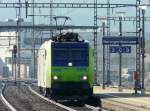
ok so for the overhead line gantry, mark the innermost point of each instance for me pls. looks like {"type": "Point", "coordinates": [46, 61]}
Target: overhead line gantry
{"type": "Point", "coordinates": [63, 5]}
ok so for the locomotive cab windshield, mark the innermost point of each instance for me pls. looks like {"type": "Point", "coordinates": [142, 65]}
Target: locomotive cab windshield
{"type": "Point", "coordinates": [64, 53]}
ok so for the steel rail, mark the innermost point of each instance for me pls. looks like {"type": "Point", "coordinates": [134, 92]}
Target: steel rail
{"type": "Point", "coordinates": [95, 108]}
{"type": "Point", "coordinates": [48, 100]}
{"type": "Point", "coordinates": [6, 103]}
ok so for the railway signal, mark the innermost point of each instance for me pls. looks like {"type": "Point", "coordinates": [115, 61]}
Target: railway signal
{"type": "Point", "coordinates": [15, 50]}
{"type": "Point", "coordinates": [14, 53]}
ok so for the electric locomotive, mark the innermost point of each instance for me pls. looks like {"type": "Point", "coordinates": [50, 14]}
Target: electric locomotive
{"type": "Point", "coordinates": [65, 68]}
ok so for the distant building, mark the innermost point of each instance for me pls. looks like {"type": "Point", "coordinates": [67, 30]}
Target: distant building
{"type": "Point", "coordinates": [8, 38]}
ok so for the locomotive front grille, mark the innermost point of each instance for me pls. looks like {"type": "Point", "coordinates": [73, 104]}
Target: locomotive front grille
{"type": "Point", "coordinates": [71, 88]}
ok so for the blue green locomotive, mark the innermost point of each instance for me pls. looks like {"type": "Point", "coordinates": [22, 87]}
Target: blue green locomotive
{"type": "Point", "coordinates": [65, 68]}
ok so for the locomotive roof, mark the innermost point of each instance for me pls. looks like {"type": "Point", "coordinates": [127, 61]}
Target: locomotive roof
{"type": "Point", "coordinates": [67, 37]}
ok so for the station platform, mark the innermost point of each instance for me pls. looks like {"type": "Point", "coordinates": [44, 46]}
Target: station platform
{"type": "Point", "coordinates": [125, 100]}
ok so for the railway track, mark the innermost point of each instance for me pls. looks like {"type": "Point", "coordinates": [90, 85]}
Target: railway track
{"type": "Point", "coordinates": [73, 105]}
{"type": "Point", "coordinates": [3, 103]}
{"type": "Point", "coordinates": [23, 98]}
{"type": "Point", "coordinates": [20, 97]}
{"type": "Point", "coordinates": [86, 107]}
{"type": "Point", "coordinates": [51, 101]}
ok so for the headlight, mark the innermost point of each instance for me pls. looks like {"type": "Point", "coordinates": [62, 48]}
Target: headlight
{"type": "Point", "coordinates": [84, 77]}
{"type": "Point", "coordinates": [70, 64]}
{"type": "Point", "coordinates": [55, 77]}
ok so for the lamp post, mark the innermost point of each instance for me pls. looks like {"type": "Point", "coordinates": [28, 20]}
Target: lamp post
{"type": "Point", "coordinates": [103, 25]}
{"type": "Point", "coordinates": [143, 8]}
{"type": "Point", "coordinates": [103, 20]}
{"type": "Point", "coordinates": [120, 55]}
{"type": "Point", "coordinates": [121, 14]}
{"type": "Point", "coordinates": [18, 43]}
{"type": "Point", "coordinates": [106, 60]}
